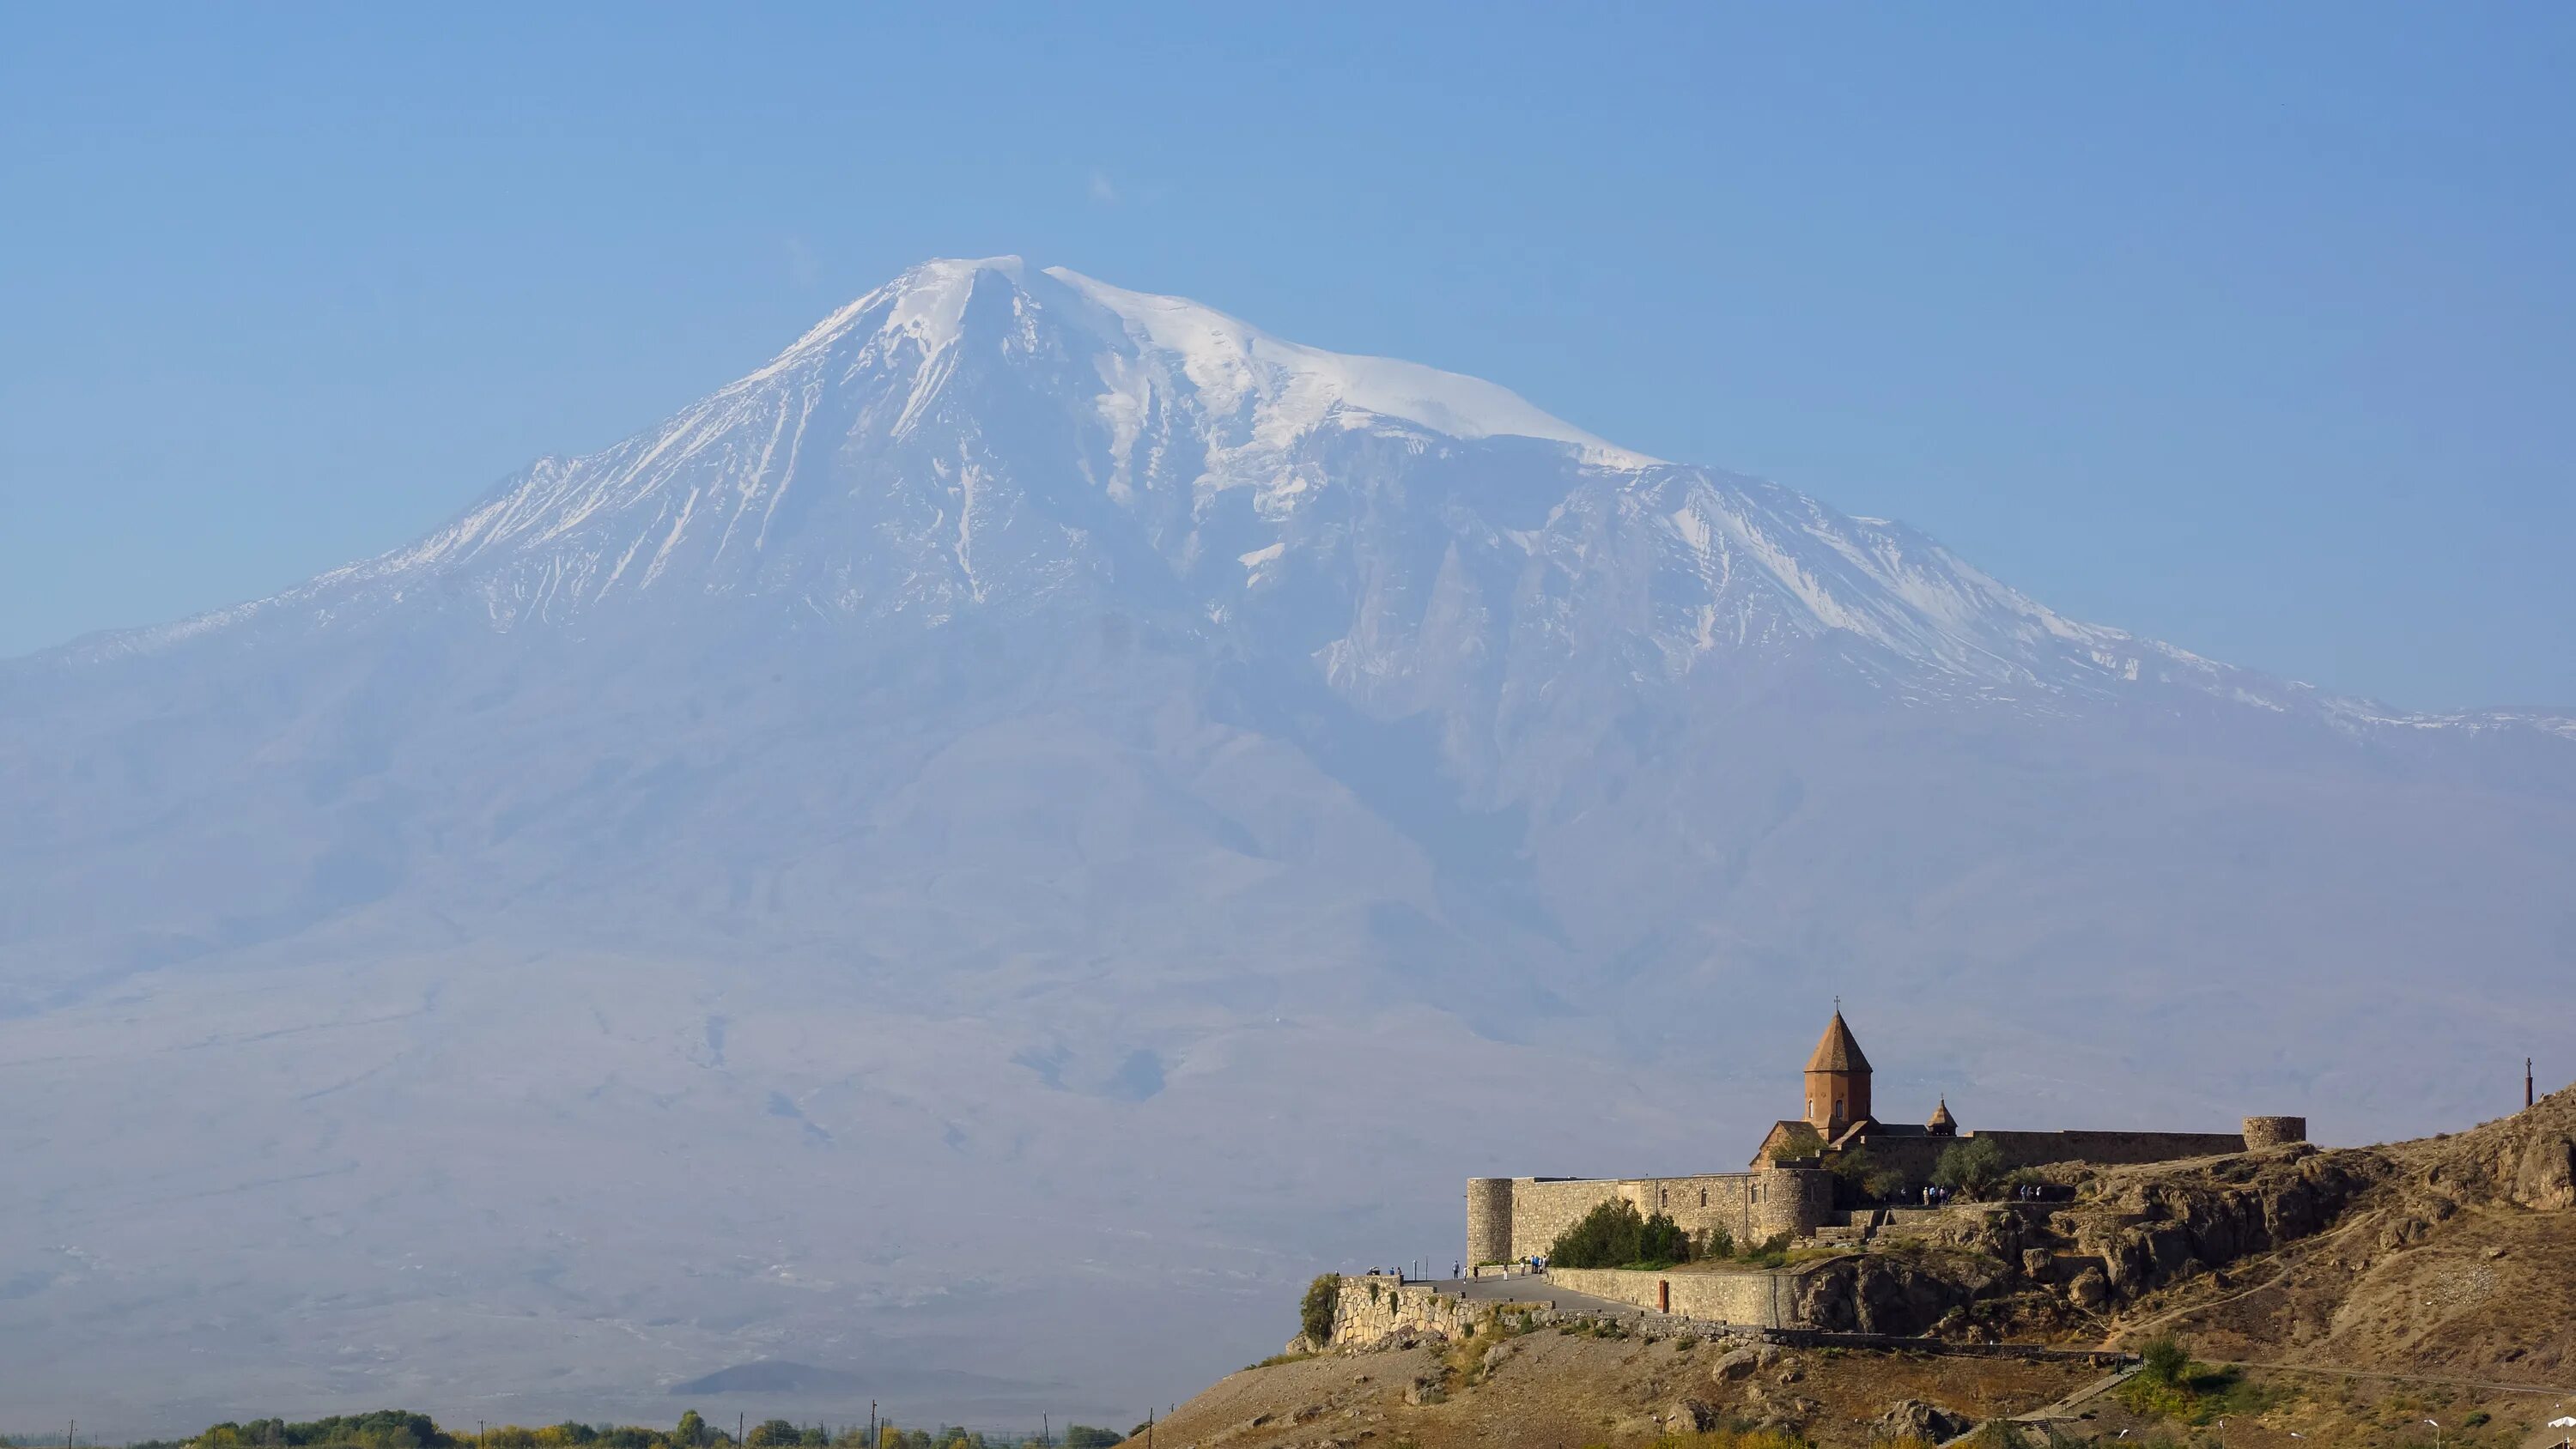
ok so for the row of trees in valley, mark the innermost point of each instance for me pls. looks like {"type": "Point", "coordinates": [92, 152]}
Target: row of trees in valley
{"type": "Point", "coordinates": [401, 1429]}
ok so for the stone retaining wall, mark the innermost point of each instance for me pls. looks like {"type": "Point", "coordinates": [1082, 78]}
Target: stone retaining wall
{"type": "Point", "coordinates": [1754, 1298]}
{"type": "Point", "coordinates": [1373, 1305]}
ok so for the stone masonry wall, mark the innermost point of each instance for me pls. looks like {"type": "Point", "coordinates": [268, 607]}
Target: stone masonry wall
{"type": "Point", "coordinates": [1373, 1305]}
{"type": "Point", "coordinates": [1749, 1206]}
{"type": "Point", "coordinates": [1542, 1208]}
{"type": "Point", "coordinates": [1752, 1299]}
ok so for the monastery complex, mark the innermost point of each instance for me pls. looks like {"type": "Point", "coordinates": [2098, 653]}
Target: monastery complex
{"type": "Point", "coordinates": [1789, 1187]}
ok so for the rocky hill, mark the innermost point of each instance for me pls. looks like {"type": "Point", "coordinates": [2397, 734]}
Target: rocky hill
{"type": "Point", "coordinates": [2353, 1296]}
{"type": "Point", "coordinates": [2451, 1255]}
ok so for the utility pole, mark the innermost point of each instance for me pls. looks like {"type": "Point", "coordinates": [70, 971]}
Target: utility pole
{"type": "Point", "coordinates": [2526, 1084]}
{"type": "Point", "coordinates": [872, 1424]}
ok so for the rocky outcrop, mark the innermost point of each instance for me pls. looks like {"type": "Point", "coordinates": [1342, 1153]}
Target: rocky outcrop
{"type": "Point", "coordinates": [1885, 1293]}
{"type": "Point", "coordinates": [2152, 1229]}
{"type": "Point", "coordinates": [2546, 1176]}
{"type": "Point", "coordinates": [1739, 1364]}
{"type": "Point", "coordinates": [1915, 1419]}
{"type": "Point", "coordinates": [1689, 1416]}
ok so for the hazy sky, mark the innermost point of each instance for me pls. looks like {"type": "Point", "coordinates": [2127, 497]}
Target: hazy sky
{"type": "Point", "coordinates": [2245, 327]}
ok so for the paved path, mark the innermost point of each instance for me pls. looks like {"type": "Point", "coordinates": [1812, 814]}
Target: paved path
{"type": "Point", "coordinates": [1528, 1290]}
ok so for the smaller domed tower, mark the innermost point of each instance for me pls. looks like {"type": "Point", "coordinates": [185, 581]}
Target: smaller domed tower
{"type": "Point", "coordinates": [1942, 1123]}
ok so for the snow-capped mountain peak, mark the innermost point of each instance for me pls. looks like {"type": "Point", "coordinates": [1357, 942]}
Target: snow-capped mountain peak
{"type": "Point", "coordinates": [980, 434]}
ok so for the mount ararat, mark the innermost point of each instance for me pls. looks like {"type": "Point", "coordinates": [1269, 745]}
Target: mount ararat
{"type": "Point", "coordinates": [974, 855]}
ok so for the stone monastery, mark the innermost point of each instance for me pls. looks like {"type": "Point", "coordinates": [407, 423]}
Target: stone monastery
{"type": "Point", "coordinates": [1789, 1187]}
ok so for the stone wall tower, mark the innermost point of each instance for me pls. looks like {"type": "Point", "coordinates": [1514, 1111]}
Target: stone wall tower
{"type": "Point", "coordinates": [2262, 1132]}
{"type": "Point", "coordinates": [1837, 1081]}
{"type": "Point", "coordinates": [1489, 1221]}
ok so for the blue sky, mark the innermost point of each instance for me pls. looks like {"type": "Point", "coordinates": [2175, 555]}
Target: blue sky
{"type": "Point", "coordinates": [2245, 327]}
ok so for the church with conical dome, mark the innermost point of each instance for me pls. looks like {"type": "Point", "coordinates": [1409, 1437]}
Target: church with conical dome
{"type": "Point", "coordinates": [1839, 1127]}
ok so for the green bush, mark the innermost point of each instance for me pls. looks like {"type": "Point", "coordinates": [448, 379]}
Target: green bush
{"type": "Point", "coordinates": [2172, 1386]}
{"type": "Point", "coordinates": [2165, 1358]}
{"type": "Point", "coordinates": [1315, 1311]}
{"type": "Point", "coordinates": [1613, 1236]}
{"type": "Point", "coordinates": [1765, 1254]}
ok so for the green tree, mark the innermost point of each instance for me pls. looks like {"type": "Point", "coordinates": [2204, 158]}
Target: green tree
{"type": "Point", "coordinates": [769, 1433]}
{"type": "Point", "coordinates": [692, 1431]}
{"type": "Point", "coordinates": [1972, 1166]}
{"type": "Point", "coordinates": [1083, 1436]}
{"type": "Point", "coordinates": [1612, 1235]}
{"type": "Point", "coordinates": [1315, 1311]}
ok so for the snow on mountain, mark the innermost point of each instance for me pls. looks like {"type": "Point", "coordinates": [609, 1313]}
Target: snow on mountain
{"type": "Point", "coordinates": [981, 434]}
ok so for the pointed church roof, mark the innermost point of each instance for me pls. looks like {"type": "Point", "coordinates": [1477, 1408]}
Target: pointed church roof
{"type": "Point", "coordinates": [1836, 1051]}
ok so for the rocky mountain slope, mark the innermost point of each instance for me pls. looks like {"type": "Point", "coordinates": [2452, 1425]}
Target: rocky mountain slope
{"type": "Point", "coordinates": [1050, 795]}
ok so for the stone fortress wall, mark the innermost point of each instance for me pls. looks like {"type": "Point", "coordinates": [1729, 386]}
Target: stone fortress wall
{"type": "Point", "coordinates": [1913, 1156]}
{"type": "Point", "coordinates": [1512, 1218]}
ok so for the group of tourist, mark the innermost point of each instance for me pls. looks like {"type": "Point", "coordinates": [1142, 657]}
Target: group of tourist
{"type": "Point", "coordinates": [2024, 1191]}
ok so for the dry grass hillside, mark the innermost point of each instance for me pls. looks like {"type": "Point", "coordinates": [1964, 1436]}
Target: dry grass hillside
{"type": "Point", "coordinates": [1547, 1388]}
